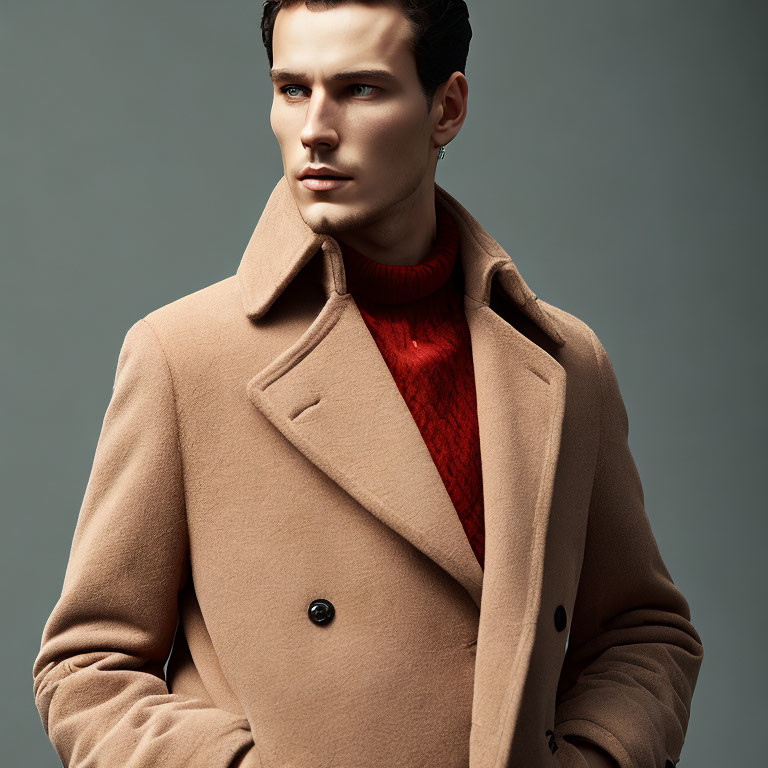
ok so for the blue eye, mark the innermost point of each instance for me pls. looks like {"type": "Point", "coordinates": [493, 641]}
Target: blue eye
{"type": "Point", "coordinates": [285, 88]}
{"type": "Point", "coordinates": [363, 85]}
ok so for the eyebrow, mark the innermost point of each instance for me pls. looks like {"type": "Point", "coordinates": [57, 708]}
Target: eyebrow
{"type": "Point", "coordinates": [282, 75]}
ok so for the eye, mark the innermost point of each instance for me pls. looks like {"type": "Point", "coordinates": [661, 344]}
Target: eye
{"type": "Point", "coordinates": [363, 85]}
{"type": "Point", "coordinates": [286, 88]}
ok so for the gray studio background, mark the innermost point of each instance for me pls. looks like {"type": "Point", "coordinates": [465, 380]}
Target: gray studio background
{"type": "Point", "coordinates": [617, 150]}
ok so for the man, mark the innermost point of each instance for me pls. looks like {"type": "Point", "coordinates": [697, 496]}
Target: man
{"type": "Point", "coordinates": [359, 494]}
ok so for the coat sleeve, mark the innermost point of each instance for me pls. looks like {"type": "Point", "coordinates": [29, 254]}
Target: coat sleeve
{"type": "Point", "coordinates": [99, 683]}
{"type": "Point", "coordinates": [633, 655]}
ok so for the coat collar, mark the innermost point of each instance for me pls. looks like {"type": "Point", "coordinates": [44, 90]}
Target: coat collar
{"type": "Point", "coordinates": [282, 244]}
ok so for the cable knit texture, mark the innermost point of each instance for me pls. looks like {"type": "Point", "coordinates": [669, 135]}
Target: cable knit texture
{"type": "Point", "coordinates": [415, 313]}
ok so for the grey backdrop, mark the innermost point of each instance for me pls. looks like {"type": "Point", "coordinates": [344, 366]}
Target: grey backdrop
{"type": "Point", "coordinates": [617, 150]}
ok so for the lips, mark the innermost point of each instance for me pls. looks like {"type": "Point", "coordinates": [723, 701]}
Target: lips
{"type": "Point", "coordinates": [320, 171]}
{"type": "Point", "coordinates": [324, 176]}
{"type": "Point", "coordinates": [323, 185]}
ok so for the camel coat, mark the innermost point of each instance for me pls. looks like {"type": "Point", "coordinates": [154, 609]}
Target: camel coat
{"type": "Point", "coordinates": [263, 515]}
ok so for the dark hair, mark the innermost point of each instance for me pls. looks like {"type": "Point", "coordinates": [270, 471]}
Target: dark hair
{"type": "Point", "coordinates": [440, 39]}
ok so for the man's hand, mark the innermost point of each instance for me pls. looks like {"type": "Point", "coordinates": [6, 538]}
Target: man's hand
{"type": "Point", "coordinates": [594, 755]}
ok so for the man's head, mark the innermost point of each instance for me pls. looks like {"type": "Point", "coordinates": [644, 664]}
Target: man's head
{"type": "Point", "coordinates": [384, 131]}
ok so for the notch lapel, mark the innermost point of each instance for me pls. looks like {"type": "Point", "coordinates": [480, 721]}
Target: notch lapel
{"type": "Point", "coordinates": [332, 395]}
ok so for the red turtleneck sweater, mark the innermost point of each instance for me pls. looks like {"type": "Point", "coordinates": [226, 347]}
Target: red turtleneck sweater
{"type": "Point", "coordinates": [415, 314]}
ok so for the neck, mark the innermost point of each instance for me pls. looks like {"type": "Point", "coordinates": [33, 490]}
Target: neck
{"type": "Point", "coordinates": [405, 236]}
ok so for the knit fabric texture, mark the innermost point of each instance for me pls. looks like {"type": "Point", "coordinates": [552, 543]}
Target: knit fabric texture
{"type": "Point", "coordinates": [415, 314]}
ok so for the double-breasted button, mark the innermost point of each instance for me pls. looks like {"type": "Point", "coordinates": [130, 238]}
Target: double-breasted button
{"type": "Point", "coordinates": [560, 618]}
{"type": "Point", "coordinates": [321, 611]}
{"type": "Point", "coordinates": [551, 740]}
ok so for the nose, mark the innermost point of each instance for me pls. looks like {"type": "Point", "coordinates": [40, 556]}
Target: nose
{"type": "Point", "coordinates": [318, 130]}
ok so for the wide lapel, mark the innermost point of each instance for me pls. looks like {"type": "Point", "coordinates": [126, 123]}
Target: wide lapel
{"type": "Point", "coordinates": [332, 395]}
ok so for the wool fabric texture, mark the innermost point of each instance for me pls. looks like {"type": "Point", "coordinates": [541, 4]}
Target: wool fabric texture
{"type": "Point", "coordinates": [415, 314]}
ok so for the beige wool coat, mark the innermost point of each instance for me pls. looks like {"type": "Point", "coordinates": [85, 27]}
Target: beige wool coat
{"type": "Point", "coordinates": [263, 514]}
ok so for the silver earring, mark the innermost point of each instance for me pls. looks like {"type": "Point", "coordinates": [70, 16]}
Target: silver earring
{"type": "Point", "coordinates": [441, 155]}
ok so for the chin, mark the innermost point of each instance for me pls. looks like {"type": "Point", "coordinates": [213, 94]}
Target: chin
{"type": "Point", "coordinates": [333, 219]}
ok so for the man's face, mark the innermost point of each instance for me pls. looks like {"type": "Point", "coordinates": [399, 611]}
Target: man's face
{"type": "Point", "coordinates": [373, 129]}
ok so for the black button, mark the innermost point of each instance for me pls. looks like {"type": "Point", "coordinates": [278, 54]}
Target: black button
{"type": "Point", "coordinates": [560, 618]}
{"type": "Point", "coordinates": [669, 764]}
{"type": "Point", "coordinates": [321, 611]}
{"type": "Point", "coordinates": [552, 743]}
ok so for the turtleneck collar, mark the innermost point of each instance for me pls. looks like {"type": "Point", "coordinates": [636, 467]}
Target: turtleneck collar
{"type": "Point", "coordinates": [400, 284]}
